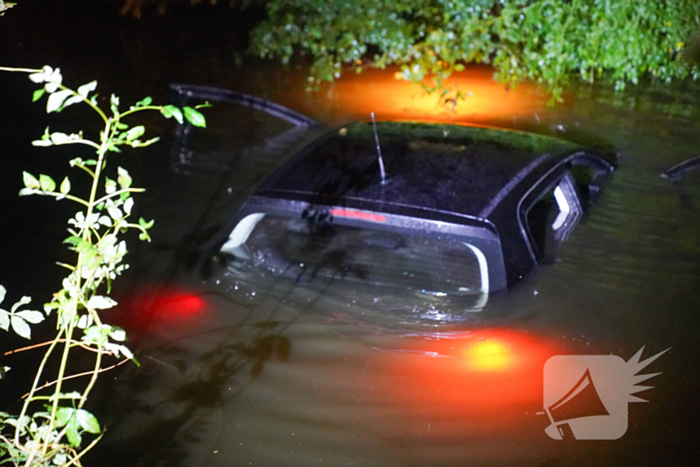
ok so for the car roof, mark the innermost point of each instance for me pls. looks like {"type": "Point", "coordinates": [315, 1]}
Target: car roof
{"type": "Point", "coordinates": [443, 168]}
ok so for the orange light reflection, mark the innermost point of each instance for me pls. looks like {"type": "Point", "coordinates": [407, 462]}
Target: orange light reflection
{"type": "Point", "coordinates": [391, 99]}
{"type": "Point", "coordinates": [481, 373]}
{"type": "Point", "coordinates": [488, 355]}
{"type": "Point", "coordinates": [478, 389]}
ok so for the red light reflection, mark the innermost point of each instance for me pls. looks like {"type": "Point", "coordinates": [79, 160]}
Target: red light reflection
{"type": "Point", "coordinates": [368, 216]}
{"type": "Point", "coordinates": [154, 305]}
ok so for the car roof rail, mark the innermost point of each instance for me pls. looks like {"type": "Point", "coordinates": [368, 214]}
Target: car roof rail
{"type": "Point", "coordinates": [675, 172]}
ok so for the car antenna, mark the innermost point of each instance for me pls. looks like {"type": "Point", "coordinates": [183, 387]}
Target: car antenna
{"type": "Point", "coordinates": [379, 150]}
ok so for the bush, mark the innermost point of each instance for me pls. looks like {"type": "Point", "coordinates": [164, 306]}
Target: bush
{"type": "Point", "coordinates": [545, 41]}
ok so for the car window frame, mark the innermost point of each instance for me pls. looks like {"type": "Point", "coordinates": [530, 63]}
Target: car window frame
{"type": "Point", "coordinates": [485, 242]}
{"type": "Point", "coordinates": [558, 176]}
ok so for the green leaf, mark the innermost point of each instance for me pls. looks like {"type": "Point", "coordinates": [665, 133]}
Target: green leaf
{"type": "Point", "coordinates": [135, 132]}
{"type": "Point", "coordinates": [63, 415]}
{"type": "Point", "coordinates": [172, 111]}
{"type": "Point", "coordinates": [41, 77]}
{"type": "Point", "coordinates": [114, 212]}
{"type": "Point", "coordinates": [144, 224]}
{"type": "Point", "coordinates": [4, 320]}
{"type": "Point", "coordinates": [22, 301]}
{"type": "Point", "coordinates": [72, 433]}
{"type": "Point", "coordinates": [42, 142]}
{"type": "Point", "coordinates": [73, 240]}
{"type": "Point", "coordinates": [38, 94]}
{"type": "Point", "coordinates": [3, 372]}
{"type": "Point", "coordinates": [47, 183]}
{"type": "Point", "coordinates": [49, 307]}
{"type": "Point", "coordinates": [118, 350]}
{"type": "Point", "coordinates": [85, 321]}
{"type": "Point", "coordinates": [99, 302]}
{"type": "Point", "coordinates": [31, 316]}
{"type": "Point", "coordinates": [60, 138]}
{"type": "Point", "coordinates": [177, 114]}
{"type": "Point", "coordinates": [30, 180]}
{"type": "Point", "coordinates": [118, 334]}
{"type": "Point", "coordinates": [73, 99]}
{"type": "Point", "coordinates": [114, 103]}
{"type": "Point", "coordinates": [88, 421]}
{"type": "Point", "coordinates": [28, 191]}
{"type": "Point", "coordinates": [21, 327]}
{"type": "Point", "coordinates": [56, 100]}
{"type": "Point", "coordinates": [128, 205]}
{"type": "Point", "coordinates": [65, 186]}
{"type": "Point", "coordinates": [123, 178]}
{"type": "Point", "coordinates": [85, 89]}
{"type": "Point", "coordinates": [144, 102]}
{"type": "Point", "coordinates": [195, 117]}
{"type": "Point", "coordinates": [110, 185]}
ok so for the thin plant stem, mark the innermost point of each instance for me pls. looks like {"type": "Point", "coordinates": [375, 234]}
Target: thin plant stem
{"type": "Point", "coordinates": [84, 451]}
{"type": "Point", "coordinates": [39, 372]}
{"type": "Point", "coordinates": [119, 192]}
{"type": "Point", "coordinates": [59, 379]}
{"type": "Point", "coordinates": [79, 375]}
{"type": "Point", "coordinates": [43, 344]}
{"type": "Point", "coordinates": [20, 70]}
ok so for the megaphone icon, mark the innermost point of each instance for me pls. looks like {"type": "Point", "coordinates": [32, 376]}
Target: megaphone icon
{"type": "Point", "coordinates": [581, 401]}
{"type": "Point", "coordinates": [587, 410]}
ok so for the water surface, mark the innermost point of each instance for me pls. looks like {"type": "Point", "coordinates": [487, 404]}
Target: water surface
{"type": "Point", "coordinates": [239, 372]}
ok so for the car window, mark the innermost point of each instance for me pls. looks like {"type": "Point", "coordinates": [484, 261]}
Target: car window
{"type": "Point", "coordinates": [589, 177]}
{"type": "Point", "coordinates": [553, 216]}
{"type": "Point", "coordinates": [304, 250]}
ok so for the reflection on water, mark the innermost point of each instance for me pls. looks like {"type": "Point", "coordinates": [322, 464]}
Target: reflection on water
{"type": "Point", "coordinates": [484, 99]}
{"type": "Point", "coordinates": [272, 372]}
{"type": "Point", "coordinates": [233, 373]}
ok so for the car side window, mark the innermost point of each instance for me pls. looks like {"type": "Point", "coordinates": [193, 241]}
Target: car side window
{"type": "Point", "coordinates": [589, 176]}
{"type": "Point", "coordinates": [553, 216]}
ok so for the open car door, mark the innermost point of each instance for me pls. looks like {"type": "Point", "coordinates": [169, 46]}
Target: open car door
{"type": "Point", "coordinates": [214, 169]}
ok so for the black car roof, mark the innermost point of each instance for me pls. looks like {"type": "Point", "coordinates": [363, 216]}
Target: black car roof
{"type": "Point", "coordinates": [462, 170]}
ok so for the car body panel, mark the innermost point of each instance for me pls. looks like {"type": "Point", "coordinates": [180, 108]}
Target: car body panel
{"type": "Point", "coordinates": [477, 183]}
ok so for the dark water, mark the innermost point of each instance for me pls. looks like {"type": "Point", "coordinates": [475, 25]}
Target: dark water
{"type": "Point", "coordinates": [243, 372]}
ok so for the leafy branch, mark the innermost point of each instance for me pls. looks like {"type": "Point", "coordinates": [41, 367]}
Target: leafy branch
{"type": "Point", "coordinates": [53, 435]}
{"type": "Point", "coordinates": [5, 6]}
{"type": "Point", "coordinates": [542, 41]}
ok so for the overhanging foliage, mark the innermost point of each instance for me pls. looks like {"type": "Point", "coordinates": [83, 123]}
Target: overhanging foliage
{"type": "Point", "coordinates": [545, 41]}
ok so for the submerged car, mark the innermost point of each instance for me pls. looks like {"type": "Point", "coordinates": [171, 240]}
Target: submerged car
{"type": "Point", "coordinates": [443, 208]}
